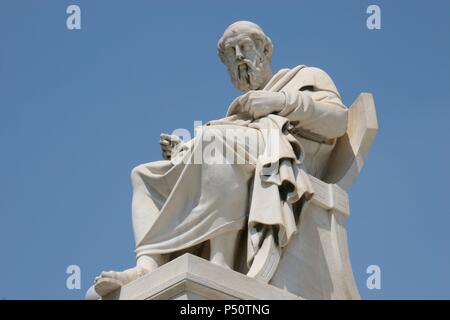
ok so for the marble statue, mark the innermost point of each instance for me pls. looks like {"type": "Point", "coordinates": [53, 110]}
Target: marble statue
{"type": "Point", "coordinates": [277, 211]}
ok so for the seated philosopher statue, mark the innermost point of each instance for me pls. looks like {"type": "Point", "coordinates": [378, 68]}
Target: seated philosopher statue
{"type": "Point", "coordinates": [224, 212]}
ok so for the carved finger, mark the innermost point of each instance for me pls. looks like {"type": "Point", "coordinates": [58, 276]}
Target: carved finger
{"type": "Point", "coordinates": [244, 99]}
{"type": "Point", "coordinates": [175, 139]}
{"type": "Point", "coordinates": [164, 136]}
{"type": "Point", "coordinates": [164, 142]}
{"type": "Point", "coordinates": [108, 274]}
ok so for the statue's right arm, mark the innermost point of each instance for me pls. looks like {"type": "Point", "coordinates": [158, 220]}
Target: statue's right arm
{"type": "Point", "coordinates": [322, 114]}
{"type": "Point", "coordinates": [317, 108]}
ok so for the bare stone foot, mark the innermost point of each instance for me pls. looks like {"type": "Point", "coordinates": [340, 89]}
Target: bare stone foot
{"type": "Point", "coordinates": [109, 281]}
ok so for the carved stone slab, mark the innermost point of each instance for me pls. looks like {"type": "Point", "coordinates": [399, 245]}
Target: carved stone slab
{"type": "Point", "coordinates": [193, 278]}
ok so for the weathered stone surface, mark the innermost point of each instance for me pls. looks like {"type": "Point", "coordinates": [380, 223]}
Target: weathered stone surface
{"type": "Point", "coordinates": [191, 277]}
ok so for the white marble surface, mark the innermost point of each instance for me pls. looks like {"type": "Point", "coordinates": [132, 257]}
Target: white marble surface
{"type": "Point", "coordinates": [287, 228]}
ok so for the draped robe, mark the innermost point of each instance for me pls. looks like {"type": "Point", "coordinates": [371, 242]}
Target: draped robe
{"type": "Point", "coordinates": [178, 206]}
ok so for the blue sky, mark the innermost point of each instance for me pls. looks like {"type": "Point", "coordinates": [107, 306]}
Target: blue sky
{"type": "Point", "coordinates": [79, 109]}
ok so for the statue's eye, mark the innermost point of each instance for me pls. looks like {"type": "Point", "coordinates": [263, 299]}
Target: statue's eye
{"type": "Point", "coordinates": [230, 50]}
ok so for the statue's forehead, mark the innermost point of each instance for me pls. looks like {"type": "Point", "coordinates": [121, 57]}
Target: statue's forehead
{"type": "Point", "coordinates": [236, 37]}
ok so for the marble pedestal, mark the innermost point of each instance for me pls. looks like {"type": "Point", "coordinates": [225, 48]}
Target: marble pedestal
{"type": "Point", "coordinates": [191, 278]}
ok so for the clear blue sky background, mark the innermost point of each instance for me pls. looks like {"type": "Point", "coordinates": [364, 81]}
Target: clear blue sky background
{"type": "Point", "coordinates": [79, 109]}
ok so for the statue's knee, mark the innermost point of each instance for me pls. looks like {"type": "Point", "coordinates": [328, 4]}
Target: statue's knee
{"type": "Point", "coordinates": [136, 174]}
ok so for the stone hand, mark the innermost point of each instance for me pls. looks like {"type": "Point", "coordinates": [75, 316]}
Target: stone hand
{"type": "Point", "coordinates": [259, 103]}
{"type": "Point", "coordinates": [168, 142]}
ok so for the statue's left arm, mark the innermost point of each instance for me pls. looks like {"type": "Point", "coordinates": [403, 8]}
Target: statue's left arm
{"type": "Point", "coordinates": [315, 106]}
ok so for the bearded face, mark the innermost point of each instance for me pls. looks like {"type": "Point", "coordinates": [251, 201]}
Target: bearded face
{"type": "Point", "coordinates": [247, 63]}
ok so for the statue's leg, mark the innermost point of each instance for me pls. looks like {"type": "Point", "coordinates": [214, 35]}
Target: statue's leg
{"type": "Point", "coordinates": [223, 249]}
{"type": "Point", "coordinates": [144, 205]}
{"type": "Point", "coordinates": [148, 263]}
{"type": "Point", "coordinates": [144, 208]}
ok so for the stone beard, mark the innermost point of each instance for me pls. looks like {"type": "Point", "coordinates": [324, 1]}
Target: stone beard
{"type": "Point", "coordinates": [249, 74]}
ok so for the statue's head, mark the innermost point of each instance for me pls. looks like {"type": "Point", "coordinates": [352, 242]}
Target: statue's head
{"type": "Point", "coordinates": [247, 52]}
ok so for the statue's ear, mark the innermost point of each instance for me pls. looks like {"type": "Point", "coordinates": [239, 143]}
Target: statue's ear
{"type": "Point", "coordinates": [268, 48]}
{"type": "Point", "coordinates": [221, 55]}
{"type": "Point", "coordinates": [221, 51]}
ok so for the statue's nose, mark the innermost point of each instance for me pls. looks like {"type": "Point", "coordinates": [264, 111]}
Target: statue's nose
{"type": "Point", "coordinates": [239, 55]}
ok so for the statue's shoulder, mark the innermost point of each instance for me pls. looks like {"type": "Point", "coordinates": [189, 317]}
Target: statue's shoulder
{"type": "Point", "coordinates": [315, 77]}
